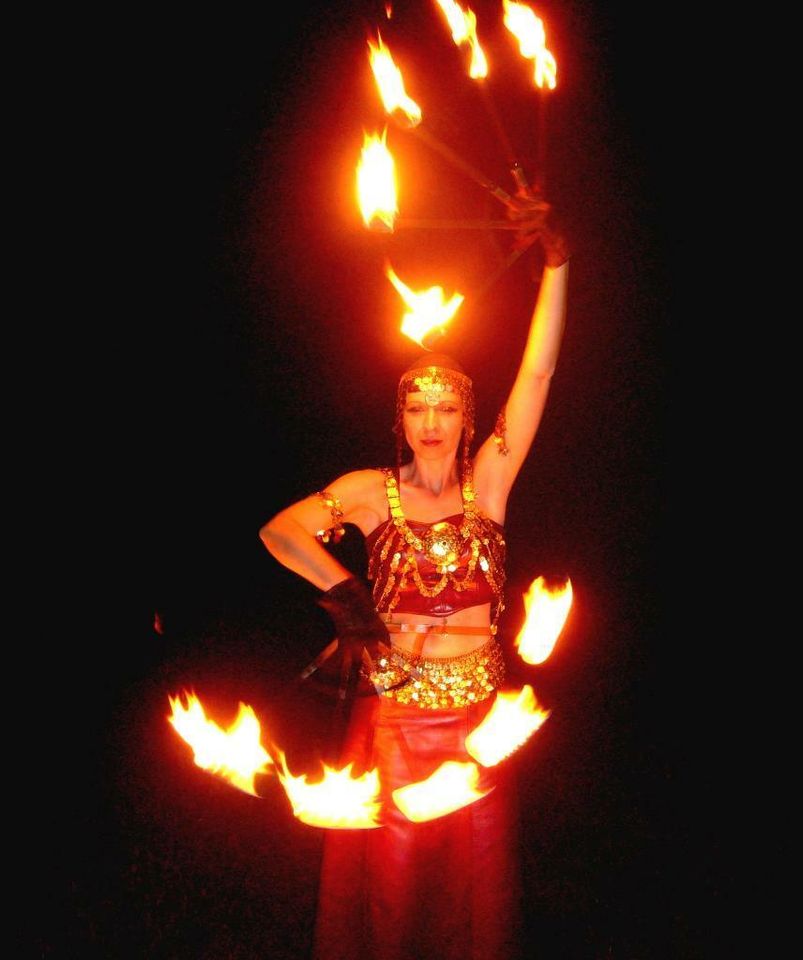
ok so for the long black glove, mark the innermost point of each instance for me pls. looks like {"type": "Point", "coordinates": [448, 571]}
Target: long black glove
{"type": "Point", "coordinates": [538, 222]}
{"type": "Point", "coordinates": [361, 638]}
{"type": "Point", "coordinates": [357, 624]}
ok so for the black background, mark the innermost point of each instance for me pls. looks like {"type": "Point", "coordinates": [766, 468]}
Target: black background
{"type": "Point", "coordinates": [261, 346]}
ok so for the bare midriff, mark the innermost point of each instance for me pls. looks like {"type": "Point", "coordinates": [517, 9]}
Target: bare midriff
{"type": "Point", "coordinates": [440, 642]}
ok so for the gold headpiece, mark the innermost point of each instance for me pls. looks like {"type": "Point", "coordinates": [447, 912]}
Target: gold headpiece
{"type": "Point", "coordinates": [433, 380]}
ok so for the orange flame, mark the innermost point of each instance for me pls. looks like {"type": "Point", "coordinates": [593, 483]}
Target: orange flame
{"type": "Point", "coordinates": [235, 754]}
{"type": "Point", "coordinates": [428, 310]}
{"type": "Point", "coordinates": [376, 183]}
{"type": "Point", "coordinates": [452, 786]}
{"type": "Point", "coordinates": [546, 612]}
{"type": "Point", "coordinates": [510, 722]}
{"type": "Point", "coordinates": [463, 24]}
{"type": "Point", "coordinates": [391, 85]}
{"type": "Point", "coordinates": [338, 801]}
{"type": "Point", "coordinates": [528, 29]}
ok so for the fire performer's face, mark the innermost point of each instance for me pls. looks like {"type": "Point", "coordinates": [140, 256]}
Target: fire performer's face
{"type": "Point", "coordinates": [433, 430]}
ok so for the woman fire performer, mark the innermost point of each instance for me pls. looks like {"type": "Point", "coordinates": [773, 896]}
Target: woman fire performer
{"type": "Point", "coordinates": [424, 640]}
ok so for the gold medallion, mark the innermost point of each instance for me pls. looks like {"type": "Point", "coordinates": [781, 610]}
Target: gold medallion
{"type": "Point", "coordinates": [442, 544]}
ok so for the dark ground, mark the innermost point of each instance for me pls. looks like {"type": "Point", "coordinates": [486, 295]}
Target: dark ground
{"type": "Point", "coordinates": [267, 368]}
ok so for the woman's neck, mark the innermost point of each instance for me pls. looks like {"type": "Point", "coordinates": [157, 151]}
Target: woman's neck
{"type": "Point", "coordinates": [432, 475]}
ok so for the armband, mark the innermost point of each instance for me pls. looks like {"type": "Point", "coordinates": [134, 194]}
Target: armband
{"type": "Point", "coordinates": [499, 434]}
{"type": "Point", "coordinates": [335, 531]}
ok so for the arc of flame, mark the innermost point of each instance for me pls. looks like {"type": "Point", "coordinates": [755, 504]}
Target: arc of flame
{"type": "Point", "coordinates": [546, 612]}
{"type": "Point", "coordinates": [376, 183]}
{"type": "Point", "coordinates": [428, 310]}
{"type": "Point", "coordinates": [510, 722]}
{"type": "Point", "coordinates": [338, 801]}
{"type": "Point", "coordinates": [391, 84]}
{"type": "Point", "coordinates": [235, 754]}
{"type": "Point", "coordinates": [528, 29]}
{"type": "Point", "coordinates": [452, 786]}
{"type": "Point", "coordinates": [463, 24]}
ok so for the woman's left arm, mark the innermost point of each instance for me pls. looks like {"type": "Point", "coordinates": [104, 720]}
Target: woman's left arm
{"type": "Point", "coordinates": [501, 456]}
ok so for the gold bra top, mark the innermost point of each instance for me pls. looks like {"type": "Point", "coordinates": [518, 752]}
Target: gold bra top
{"type": "Point", "coordinates": [436, 569]}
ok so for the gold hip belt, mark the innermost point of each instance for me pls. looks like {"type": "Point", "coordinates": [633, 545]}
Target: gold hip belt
{"type": "Point", "coordinates": [438, 683]}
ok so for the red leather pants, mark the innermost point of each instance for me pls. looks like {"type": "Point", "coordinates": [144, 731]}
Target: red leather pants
{"type": "Point", "coordinates": [445, 888]}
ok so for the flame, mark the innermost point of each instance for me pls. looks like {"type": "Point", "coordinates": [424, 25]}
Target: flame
{"type": "Point", "coordinates": [338, 801]}
{"type": "Point", "coordinates": [235, 754]}
{"type": "Point", "coordinates": [452, 786]}
{"type": "Point", "coordinates": [510, 722]}
{"type": "Point", "coordinates": [528, 29]}
{"type": "Point", "coordinates": [546, 612]}
{"type": "Point", "coordinates": [428, 310]}
{"type": "Point", "coordinates": [391, 85]}
{"type": "Point", "coordinates": [376, 183]}
{"type": "Point", "coordinates": [463, 24]}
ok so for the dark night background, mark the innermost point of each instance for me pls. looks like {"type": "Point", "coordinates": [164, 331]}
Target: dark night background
{"type": "Point", "coordinates": [264, 355]}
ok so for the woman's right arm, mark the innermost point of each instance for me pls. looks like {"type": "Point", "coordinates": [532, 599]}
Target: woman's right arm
{"type": "Point", "coordinates": [292, 535]}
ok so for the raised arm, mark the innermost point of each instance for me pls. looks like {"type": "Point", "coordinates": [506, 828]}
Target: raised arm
{"type": "Point", "coordinates": [501, 456]}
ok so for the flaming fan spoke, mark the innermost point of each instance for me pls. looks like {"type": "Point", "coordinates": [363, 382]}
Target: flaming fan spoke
{"type": "Point", "coordinates": [377, 181]}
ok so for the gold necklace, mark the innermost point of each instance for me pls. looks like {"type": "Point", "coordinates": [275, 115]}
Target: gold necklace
{"type": "Point", "coordinates": [443, 544]}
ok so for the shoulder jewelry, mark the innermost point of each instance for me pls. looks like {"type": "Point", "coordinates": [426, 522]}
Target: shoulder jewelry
{"type": "Point", "coordinates": [336, 530]}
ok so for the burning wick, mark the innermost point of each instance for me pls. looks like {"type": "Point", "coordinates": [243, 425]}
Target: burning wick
{"type": "Point", "coordinates": [463, 24]}
{"type": "Point", "coordinates": [510, 722]}
{"type": "Point", "coordinates": [452, 786]}
{"type": "Point", "coordinates": [338, 801]}
{"type": "Point", "coordinates": [390, 82]}
{"type": "Point", "coordinates": [376, 183]}
{"type": "Point", "coordinates": [235, 754]}
{"type": "Point", "coordinates": [546, 612]}
{"type": "Point", "coordinates": [429, 312]}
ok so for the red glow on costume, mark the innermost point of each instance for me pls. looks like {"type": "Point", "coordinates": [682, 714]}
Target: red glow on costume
{"type": "Point", "coordinates": [236, 754]}
{"type": "Point", "coordinates": [391, 84]}
{"type": "Point", "coordinates": [463, 24]}
{"type": "Point", "coordinates": [510, 722]}
{"type": "Point", "coordinates": [546, 613]}
{"type": "Point", "coordinates": [376, 183]}
{"type": "Point", "coordinates": [528, 29]}
{"type": "Point", "coordinates": [429, 310]}
{"type": "Point", "coordinates": [452, 786]}
{"type": "Point", "coordinates": [337, 801]}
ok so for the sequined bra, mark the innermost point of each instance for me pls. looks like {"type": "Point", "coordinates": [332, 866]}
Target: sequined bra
{"type": "Point", "coordinates": [436, 569]}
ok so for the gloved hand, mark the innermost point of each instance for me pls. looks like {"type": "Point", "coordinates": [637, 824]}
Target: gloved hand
{"type": "Point", "coordinates": [357, 624]}
{"type": "Point", "coordinates": [538, 223]}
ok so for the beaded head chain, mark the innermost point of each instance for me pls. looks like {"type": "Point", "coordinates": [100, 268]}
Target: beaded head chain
{"type": "Point", "coordinates": [434, 374]}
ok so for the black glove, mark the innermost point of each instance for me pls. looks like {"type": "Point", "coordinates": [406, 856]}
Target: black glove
{"type": "Point", "coordinates": [556, 250]}
{"type": "Point", "coordinates": [357, 624]}
{"type": "Point", "coordinates": [538, 223]}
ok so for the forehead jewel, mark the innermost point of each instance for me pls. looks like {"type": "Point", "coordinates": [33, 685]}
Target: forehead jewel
{"type": "Point", "coordinates": [435, 380]}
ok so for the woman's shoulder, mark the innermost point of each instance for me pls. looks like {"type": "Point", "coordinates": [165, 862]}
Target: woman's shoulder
{"type": "Point", "coordinates": [357, 481]}
{"type": "Point", "coordinates": [362, 494]}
